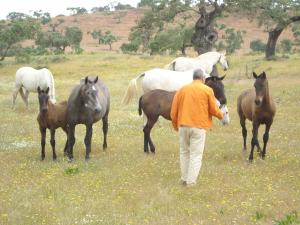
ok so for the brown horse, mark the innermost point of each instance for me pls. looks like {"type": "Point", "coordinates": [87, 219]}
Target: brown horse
{"type": "Point", "coordinates": [51, 116]}
{"type": "Point", "coordinates": [257, 106]}
{"type": "Point", "coordinates": [159, 102]}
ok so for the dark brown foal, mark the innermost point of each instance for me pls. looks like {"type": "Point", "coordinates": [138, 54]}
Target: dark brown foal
{"type": "Point", "coordinates": [159, 103]}
{"type": "Point", "coordinates": [257, 106]}
{"type": "Point", "coordinates": [51, 116]}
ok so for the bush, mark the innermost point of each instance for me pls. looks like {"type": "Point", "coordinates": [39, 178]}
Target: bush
{"type": "Point", "coordinates": [257, 46]}
{"type": "Point", "coordinates": [286, 46]}
{"type": "Point", "coordinates": [129, 47]}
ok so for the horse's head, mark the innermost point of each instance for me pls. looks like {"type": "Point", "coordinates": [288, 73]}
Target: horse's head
{"type": "Point", "coordinates": [260, 86]}
{"type": "Point", "coordinates": [223, 61]}
{"type": "Point", "coordinates": [89, 94]}
{"type": "Point", "coordinates": [218, 87]}
{"type": "Point", "coordinates": [43, 96]}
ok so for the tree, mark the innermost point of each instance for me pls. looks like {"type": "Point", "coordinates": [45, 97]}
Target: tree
{"type": "Point", "coordinates": [19, 27]}
{"type": "Point", "coordinates": [74, 37]}
{"type": "Point", "coordinates": [77, 10]}
{"type": "Point", "coordinates": [107, 38]}
{"type": "Point", "coordinates": [174, 39]}
{"type": "Point", "coordinates": [44, 17]}
{"type": "Point", "coordinates": [274, 15]}
{"type": "Point", "coordinates": [233, 40]}
{"type": "Point", "coordinates": [105, 8]}
{"type": "Point", "coordinates": [165, 11]}
{"type": "Point", "coordinates": [120, 6]}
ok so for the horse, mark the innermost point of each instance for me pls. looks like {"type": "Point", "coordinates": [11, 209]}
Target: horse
{"type": "Point", "coordinates": [204, 61]}
{"type": "Point", "coordinates": [167, 80]}
{"type": "Point", "coordinates": [51, 116]}
{"type": "Point", "coordinates": [29, 79]}
{"type": "Point", "coordinates": [88, 102]}
{"type": "Point", "coordinates": [257, 106]}
{"type": "Point", "coordinates": [159, 102]}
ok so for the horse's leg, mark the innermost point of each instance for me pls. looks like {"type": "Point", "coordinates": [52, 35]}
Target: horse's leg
{"type": "Point", "coordinates": [254, 140]}
{"type": "Point", "coordinates": [150, 125]}
{"type": "Point", "coordinates": [145, 123]}
{"type": "Point", "coordinates": [87, 140]}
{"type": "Point", "coordinates": [105, 130]}
{"type": "Point", "coordinates": [26, 98]}
{"type": "Point", "coordinates": [15, 94]}
{"type": "Point", "coordinates": [43, 142]}
{"type": "Point", "coordinates": [244, 130]}
{"type": "Point", "coordinates": [52, 142]}
{"type": "Point", "coordinates": [66, 145]}
{"type": "Point", "coordinates": [71, 141]}
{"type": "Point", "coordinates": [266, 138]}
{"type": "Point", "coordinates": [22, 95]}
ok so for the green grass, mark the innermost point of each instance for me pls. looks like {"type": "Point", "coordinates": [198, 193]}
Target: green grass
{"type": "Point", "coordinates": [125, 186]}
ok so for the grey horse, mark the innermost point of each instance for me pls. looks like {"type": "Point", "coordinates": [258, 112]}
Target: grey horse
{"type": "Point", "coordinates": [89, 102]}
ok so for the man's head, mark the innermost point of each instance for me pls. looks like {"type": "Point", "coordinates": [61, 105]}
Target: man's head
{"type": "Point", "coordinates": [198, 75]}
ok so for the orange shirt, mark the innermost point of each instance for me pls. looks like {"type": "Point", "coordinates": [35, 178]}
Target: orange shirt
{"type": "Point", "coordinates": [194, 105]}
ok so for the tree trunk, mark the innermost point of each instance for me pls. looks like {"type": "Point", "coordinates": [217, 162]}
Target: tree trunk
{"type": "Point", "coordinates": [274, 35]}
{"type": "Point", "coordinates": [205, 35]}
{"type": "Point", "coordinates": [271, 44]}
{"type": "Point", "coordinates": [183, 50]}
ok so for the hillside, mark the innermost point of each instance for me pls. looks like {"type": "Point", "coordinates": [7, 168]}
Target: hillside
{"type": "Point", "coordinates": [109, 21]}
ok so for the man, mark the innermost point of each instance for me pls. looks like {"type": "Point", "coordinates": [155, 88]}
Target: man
{"type": "Point", "coordinates": [192, 110]}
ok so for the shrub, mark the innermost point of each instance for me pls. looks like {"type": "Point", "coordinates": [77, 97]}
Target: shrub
{"type": "Point", "coordinates": [129, 47]}
{"type": "Point", "coordinates": [286, 45]}
{"type": "Point", "coordinates": [257, 46]}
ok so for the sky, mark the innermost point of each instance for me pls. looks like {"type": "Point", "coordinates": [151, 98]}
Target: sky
{"type": "Point", "coordinates": [54, 7]}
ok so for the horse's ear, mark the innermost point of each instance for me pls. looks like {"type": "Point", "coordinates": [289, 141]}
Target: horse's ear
{"type": "Point", "coordinates": [86, 80]}
{"type": "Point", "coordinates": [221, 78]}
{"type": "Point", "coordinates": [254, 75]}
{"type": "Point", "coordinates": [38, 89]}
{"type": "Point", "coordinates": [263, 75]}
{"type": "Point", "coordinates": [47, 90]}
{"type": "Point", "coordinates": [96, 79]}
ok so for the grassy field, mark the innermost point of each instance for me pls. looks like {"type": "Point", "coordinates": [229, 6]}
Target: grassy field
{"type": "Point", "coordinates": [125, 186]}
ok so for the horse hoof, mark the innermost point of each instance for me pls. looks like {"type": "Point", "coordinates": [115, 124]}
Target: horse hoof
{"type": "Point", "coordinates": [87, 159]}
{"type": "Point", "coordinates": [104, 147]}
{"type": "Point", "coordinates": [54, 159]}
{"type": "Point", "coordinates": [70, 160]}
{"type": "Point", "coordinates": [250, 161]}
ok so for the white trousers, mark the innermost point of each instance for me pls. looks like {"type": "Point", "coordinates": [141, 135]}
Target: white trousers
{"type": "Point", "coordinates": [192, 142]}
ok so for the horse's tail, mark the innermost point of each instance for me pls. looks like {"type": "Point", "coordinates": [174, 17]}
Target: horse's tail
{"type": "Point", "coordinates": [131, 90]}
{"type": "Point", "coordinates": [140, 105]}
{"type": "Point", "coordinates": [170, 66]}
{"type": "Point", "coordinates": [52, 88]}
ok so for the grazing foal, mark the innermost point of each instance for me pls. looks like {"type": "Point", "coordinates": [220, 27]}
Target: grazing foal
{"type": "Point", "coordinates": [159, 102]}
{"type": "Point", "coordinates": [51, 116]}
{"type": "Point", "coordinates": [257, 106]}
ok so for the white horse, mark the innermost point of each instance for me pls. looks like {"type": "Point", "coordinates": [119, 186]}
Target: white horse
{"type": "Point", "coordinates": [205, 62]}
{"type": "Point", "coordinates": [166, 80]}
{"type": "Point", "coordinates": [30, 79]}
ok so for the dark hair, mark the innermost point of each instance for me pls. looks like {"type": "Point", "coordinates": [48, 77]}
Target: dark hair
{"type": "Point", "coordinates": [198, 74]}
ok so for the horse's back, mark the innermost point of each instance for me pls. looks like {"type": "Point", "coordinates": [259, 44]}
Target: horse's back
{"type": "Point", "coordinates": [158, 102]}
{"type": "Point", "coordinates": [30, 78]}
{"type": "Point", "coordinates": [167, 80]}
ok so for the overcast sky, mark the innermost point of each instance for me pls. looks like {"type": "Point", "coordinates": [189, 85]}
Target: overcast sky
{"type": "Point", "coordinates": [54, 7]}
